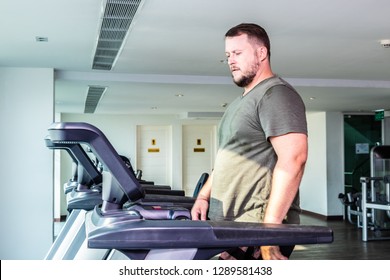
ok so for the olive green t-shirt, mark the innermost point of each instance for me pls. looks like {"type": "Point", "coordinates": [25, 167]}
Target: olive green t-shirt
{"type": "Point", "coordinates": [245, 160]}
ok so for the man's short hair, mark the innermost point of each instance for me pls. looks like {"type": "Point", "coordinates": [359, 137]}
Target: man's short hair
{"type": "Point", "coordinates": [253, 31]}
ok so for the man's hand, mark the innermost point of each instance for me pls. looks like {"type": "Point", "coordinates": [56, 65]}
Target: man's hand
{"type": "Point", "coordinates": [271, 253]}
{"type": "Point", "coordinates": [199, 210]}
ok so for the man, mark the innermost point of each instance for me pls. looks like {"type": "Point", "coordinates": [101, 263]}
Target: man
{"type": "Point", "coordinates": [262, 146]}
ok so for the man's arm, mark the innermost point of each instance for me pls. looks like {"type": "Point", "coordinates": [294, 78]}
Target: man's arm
{"type": "Point", "coordinates": [291, 150]}
{"type": "Point", "coordinates": [201, 205]}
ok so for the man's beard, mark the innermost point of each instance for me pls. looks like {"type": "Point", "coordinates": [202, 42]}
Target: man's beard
{"type": "Point", "coordinates": [247, 78]}
{"type": "Point", "coordinates": [244, 80]}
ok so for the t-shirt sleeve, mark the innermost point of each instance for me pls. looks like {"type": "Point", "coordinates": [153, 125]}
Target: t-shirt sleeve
{"type": "Point", "coordinates": [282, 111]}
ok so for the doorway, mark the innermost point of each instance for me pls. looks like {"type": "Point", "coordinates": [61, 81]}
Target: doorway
{"type": "Point", "coordinates": [199, 148]}
{"type": "Point", "coordinates": [361, 133]}
{"type": "Point", "coordinates": [154, 153]}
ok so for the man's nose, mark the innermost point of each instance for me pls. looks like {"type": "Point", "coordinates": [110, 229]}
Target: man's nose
{"type": "Point", "coordinates": [231, 60]}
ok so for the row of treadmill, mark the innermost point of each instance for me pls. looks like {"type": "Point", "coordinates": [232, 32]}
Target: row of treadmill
{"type": "Point", "coordinates": [113, 215]}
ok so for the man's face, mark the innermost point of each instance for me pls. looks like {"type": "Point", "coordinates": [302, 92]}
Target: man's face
{"type": "Point", "coordinates": [242, 59]}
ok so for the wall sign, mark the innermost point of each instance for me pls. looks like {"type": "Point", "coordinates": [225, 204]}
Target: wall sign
{"type": "Point", "coordinates": [199, 143]}
{"type": "Point", "coordinates": [153, 150]}
{"type": "Point", "coordinates": [362, 148]}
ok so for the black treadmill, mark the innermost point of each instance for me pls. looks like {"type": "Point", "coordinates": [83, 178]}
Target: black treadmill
{"type": "Point", "coordinates": [111, 231]}
{"type": "Point", "coordinates": [84, 189]}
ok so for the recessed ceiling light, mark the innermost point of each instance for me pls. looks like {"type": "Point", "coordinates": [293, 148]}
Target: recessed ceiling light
{"type": "Point", "coordinates": [179, 95]}
{"type": "Point", "coordinates": [385, 43]}
{"type": "Point", "coordinates": [41, 39]}
{"type": "Point", "coordinates": [312, 98]}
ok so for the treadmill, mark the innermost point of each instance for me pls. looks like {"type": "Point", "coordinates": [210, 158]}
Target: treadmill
{"type": "Point", "coordinates": [149, 186]}
{"type": "Point", "coordinates": [142, 232]}
{"type": "Point", "coordinates": [84, 189]}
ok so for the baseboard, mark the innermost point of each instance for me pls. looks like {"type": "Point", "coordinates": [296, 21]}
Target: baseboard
{"type": "Point", "coordinates": [323, 217]}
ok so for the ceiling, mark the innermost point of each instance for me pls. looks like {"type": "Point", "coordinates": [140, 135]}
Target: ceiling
{"type": "Point", "coordinates": [172, 59]}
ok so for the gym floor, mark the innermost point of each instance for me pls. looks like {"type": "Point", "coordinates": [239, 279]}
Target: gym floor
{"type": "Point", "coordinates": [347, 244]}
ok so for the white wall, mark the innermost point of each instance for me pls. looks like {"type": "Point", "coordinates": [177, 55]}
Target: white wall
{"type": "Point", "coordinates": [335, 162]}
{"type": "Point", "coordinates": [323, 179]}
{"type": "Point", "coordinates": [26, 172]}
{"type": "Point", "coordinates": [313, 188]}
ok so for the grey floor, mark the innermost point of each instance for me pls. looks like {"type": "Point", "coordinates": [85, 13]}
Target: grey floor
{"type": "Point", "coordinates": [347, 245]}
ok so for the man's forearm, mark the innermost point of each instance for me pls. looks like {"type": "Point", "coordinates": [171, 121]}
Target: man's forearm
{"type": "Point", "coordinates": [205, 191]}
{"type": "Point", "coordinates": [285, 186]}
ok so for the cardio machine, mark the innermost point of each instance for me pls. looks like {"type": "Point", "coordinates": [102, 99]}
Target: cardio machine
{"type": "Point", "coordinates": [122, 228]}
{"type": "Point", "coordinates": [84, 189]}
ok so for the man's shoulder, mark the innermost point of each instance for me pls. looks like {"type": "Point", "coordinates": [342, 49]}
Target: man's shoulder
{"type": "Point", "coordinates": [271, 82]}
{"type": "Point", "coordinates": [279, 84]}
{"type": "Point", "coordinates": [278, 81]}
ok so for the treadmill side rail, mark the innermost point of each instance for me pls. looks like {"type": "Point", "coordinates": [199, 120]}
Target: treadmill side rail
{"type": "Point", "coordinates": [140, 234]}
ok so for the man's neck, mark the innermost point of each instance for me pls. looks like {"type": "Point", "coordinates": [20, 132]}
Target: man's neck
{"type": "Point", "coordinates": [258, 79]}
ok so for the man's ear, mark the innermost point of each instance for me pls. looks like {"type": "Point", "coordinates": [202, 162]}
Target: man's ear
{"type": "Point", "coordinates": [262, 53]}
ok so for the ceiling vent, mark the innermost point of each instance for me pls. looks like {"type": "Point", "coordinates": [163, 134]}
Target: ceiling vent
{"type": "Point", "coordinates": [94, 95]}
{"type": "Point", "coordinates": [117, 18]}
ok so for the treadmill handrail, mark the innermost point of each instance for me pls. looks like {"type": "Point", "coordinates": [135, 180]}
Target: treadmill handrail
{"type": "Point", "coordinates": [79, 132]}
{"type": "Point", "coordinates": [169, 234]}
{"type": "Point", "coordinates": [79, 156]}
